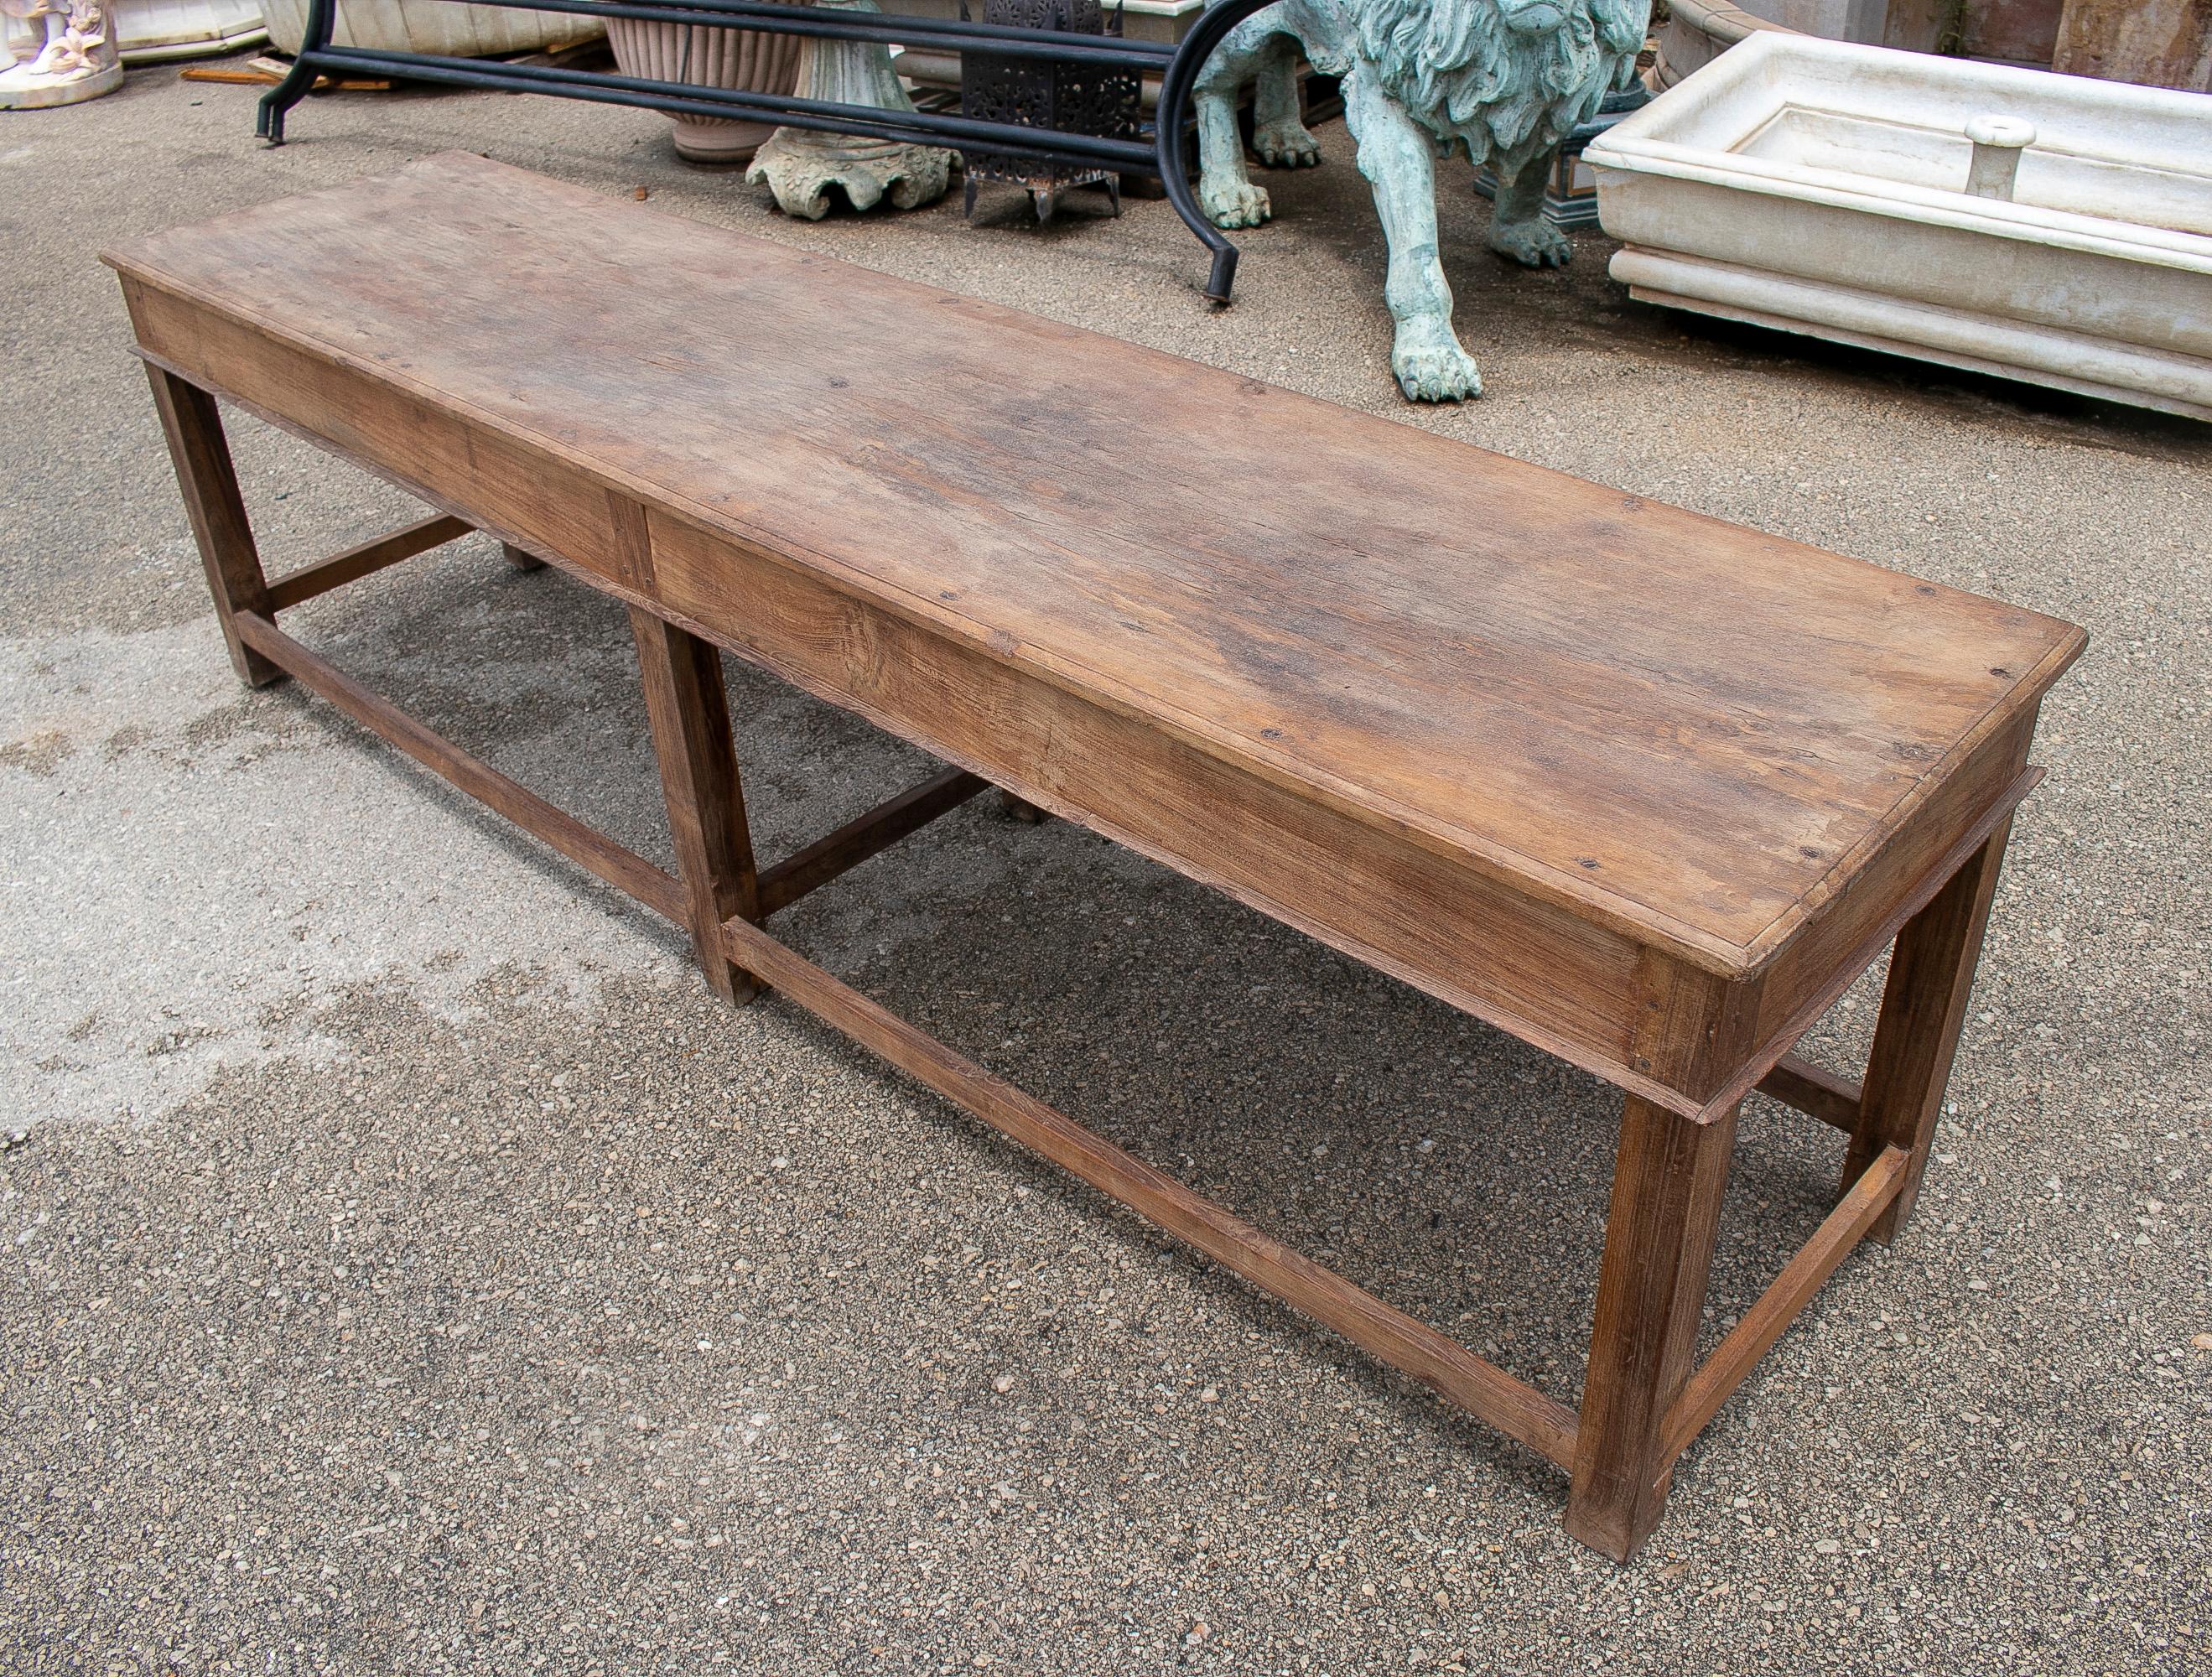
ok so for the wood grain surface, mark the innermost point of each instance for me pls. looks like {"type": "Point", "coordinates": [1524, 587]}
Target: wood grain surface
{"type": "Point", "coordinates": [1647, 789]}
{"type": "Point", "coordinates": [1682, 730]}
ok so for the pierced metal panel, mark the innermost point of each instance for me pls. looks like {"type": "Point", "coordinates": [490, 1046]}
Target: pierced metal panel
{"type": "Point", "coordinates": [1047, 94]}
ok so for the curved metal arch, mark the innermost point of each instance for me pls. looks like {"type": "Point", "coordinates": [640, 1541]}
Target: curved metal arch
{"type": "Point", "coordinates": [1175, 87]}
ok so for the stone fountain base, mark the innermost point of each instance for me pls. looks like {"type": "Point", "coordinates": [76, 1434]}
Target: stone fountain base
{"type": "Point", "coordinates": [801, 165]}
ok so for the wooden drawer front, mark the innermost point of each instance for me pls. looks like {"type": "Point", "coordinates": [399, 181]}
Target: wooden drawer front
{"type": "Point", "coordinates": [1815, 961]}
{"type": "Point", "coordinates": [1576, 990]}
{"type": "Point", "coordinates": [522, 494]}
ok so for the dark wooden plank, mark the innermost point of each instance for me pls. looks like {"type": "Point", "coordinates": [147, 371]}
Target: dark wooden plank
{"type": "Point", "coordinates": [864, 836]}
{"type": "Point", "coordinates": [1923, 1007]}
{"type": "Point", "coordinates": [1686, 730]}
{"type": "Point", "coordinates": [1667, 1186]}
{"type": "Point", "coordinates": [690, 716]}
{"type": "Point", "coordinates": [364, 560]}
{"type": "Point", "coordinates": [1814, 1091]}
{"type": "Point", "coordinates": [624, 870]}
{"type": "Point", "coordinates": [1514, 1408]}
{"type": "Point", "coordinates": [209, 484]}
{"type": "Point", "coordinates": [521, 558]}
{"type": "Point", "coordinates": [1778, 1306]}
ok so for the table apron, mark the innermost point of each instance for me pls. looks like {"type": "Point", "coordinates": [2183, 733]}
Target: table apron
{"type": "Point", "coordinates": [1602, 1000]}
{"type": "Point", "coordinates": [1686, 1041]}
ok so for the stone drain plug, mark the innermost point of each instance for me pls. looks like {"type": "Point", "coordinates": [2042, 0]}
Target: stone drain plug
{"type": "Point", "coordinates": [1998, 143]}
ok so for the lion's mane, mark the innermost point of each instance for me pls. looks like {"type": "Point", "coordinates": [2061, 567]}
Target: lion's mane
{"type": "Point", "coordinates": [1464, 72]}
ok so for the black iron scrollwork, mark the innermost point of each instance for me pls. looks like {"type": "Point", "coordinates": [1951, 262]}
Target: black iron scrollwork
{"type": "Point", "coordinates": [1095, 56]}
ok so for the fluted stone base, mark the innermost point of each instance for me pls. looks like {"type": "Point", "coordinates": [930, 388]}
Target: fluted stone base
{"type": "Point", "coordinates": [743, 60]}
{"type": "Point", "coordinates": [801, 166]}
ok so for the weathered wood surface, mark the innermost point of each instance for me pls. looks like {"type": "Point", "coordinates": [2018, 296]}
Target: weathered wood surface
{"type": "Point", "coordinates": [592, 850]}
{"type": "Point", "coordinates": [863, 836]}
{"type": "Point", "coordinates": [1690, 722]}
{"type": "Point", "coordinates": [1513, 1406]}
{"type": "Point", "coordinates": [364, 559]}
{"type": "Point", "coordinates": [1923, 1008]}
{"type": "Point", "coordinates": [1702, 1395]}
{"type": "Point", "coordinates": [1645, 788]}
{"type": "Point", "coordinates": [689, 711]}
{"type": "Point", "coordinates": [1814, 1091]}
{"type": "Point", "coordinates": [1556, 754]}
{"type": "Point", "coordinates": [1668, 1177]}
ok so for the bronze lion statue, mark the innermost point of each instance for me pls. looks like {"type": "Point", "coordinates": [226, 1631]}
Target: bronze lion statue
{"type": "Point", "coordinates": [1503, 81]}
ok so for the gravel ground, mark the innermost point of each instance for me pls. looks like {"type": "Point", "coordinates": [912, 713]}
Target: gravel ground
{"type": "Point", "coordinates": [406, 1266]}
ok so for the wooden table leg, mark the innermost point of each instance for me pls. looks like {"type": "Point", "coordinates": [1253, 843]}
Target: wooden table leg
{"type": "Point", "coordinates": [1667, 1184]}
{"type": "Point", "coordinates": [520, 559]}
{"type": "Point", "coordinates": [1016, 807]}
{"type": "Point", "coordinates": [689, 711]}
{"type": "Point", "coordinates": [209, 483]}
{"type": "Point", "coordinates": [1924, 1006]}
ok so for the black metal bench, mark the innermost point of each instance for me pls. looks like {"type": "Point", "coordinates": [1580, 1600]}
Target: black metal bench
{"type": "Point", "coordinates": [1176, 65]}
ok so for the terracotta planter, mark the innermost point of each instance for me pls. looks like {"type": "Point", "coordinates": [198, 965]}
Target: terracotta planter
{"type": "Point", "coordinates": [742, 59]}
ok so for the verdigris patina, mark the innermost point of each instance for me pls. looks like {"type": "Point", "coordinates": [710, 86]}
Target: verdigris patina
{"type": "Point", "coordinates": [1504, 82]}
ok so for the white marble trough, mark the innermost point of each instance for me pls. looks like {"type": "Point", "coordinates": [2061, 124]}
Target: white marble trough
{"type": "Point", "coordinates": [1822, 187]}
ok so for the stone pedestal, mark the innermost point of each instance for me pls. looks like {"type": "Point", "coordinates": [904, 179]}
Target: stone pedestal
{"type": "Point", "coordinates": [801, 165]}
{"type": "Point", "coordinates": [56, 52]}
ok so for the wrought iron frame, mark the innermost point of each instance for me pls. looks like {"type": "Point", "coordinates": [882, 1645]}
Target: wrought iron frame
{"type": "Point", "coordinates": [1177, 66]}
{"type": "Point", "coordinates": [1062, 94]}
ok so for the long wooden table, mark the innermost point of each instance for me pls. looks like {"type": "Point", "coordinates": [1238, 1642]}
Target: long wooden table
{"type": "Point", "coordinates": [1647, 790]}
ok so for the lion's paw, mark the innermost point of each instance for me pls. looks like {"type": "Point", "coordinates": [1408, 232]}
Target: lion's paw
{"type": "Point", "coordinates": [1233, 203]}
{"type": "Point", "coordinates": [1534, 243]}
{"type": "Point", "coordinates": [1431, 365]}
{"type": "Point", "coordinates": [1286, 145]}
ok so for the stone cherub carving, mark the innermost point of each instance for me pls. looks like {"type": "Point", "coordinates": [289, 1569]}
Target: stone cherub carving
{"type": "Point", "coordinates": [55, 52]}
{"type": "Point", "coordinates": [1503, 81]}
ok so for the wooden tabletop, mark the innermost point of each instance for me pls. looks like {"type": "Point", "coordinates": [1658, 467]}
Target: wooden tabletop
{"type": "Point", "coordinates": [1683, 727]}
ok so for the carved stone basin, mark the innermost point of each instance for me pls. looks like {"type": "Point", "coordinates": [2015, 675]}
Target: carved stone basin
{"type": "Point", "coordinates": [434, 27]}
{"type": "Point", "coordinates": [1833, 189]}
